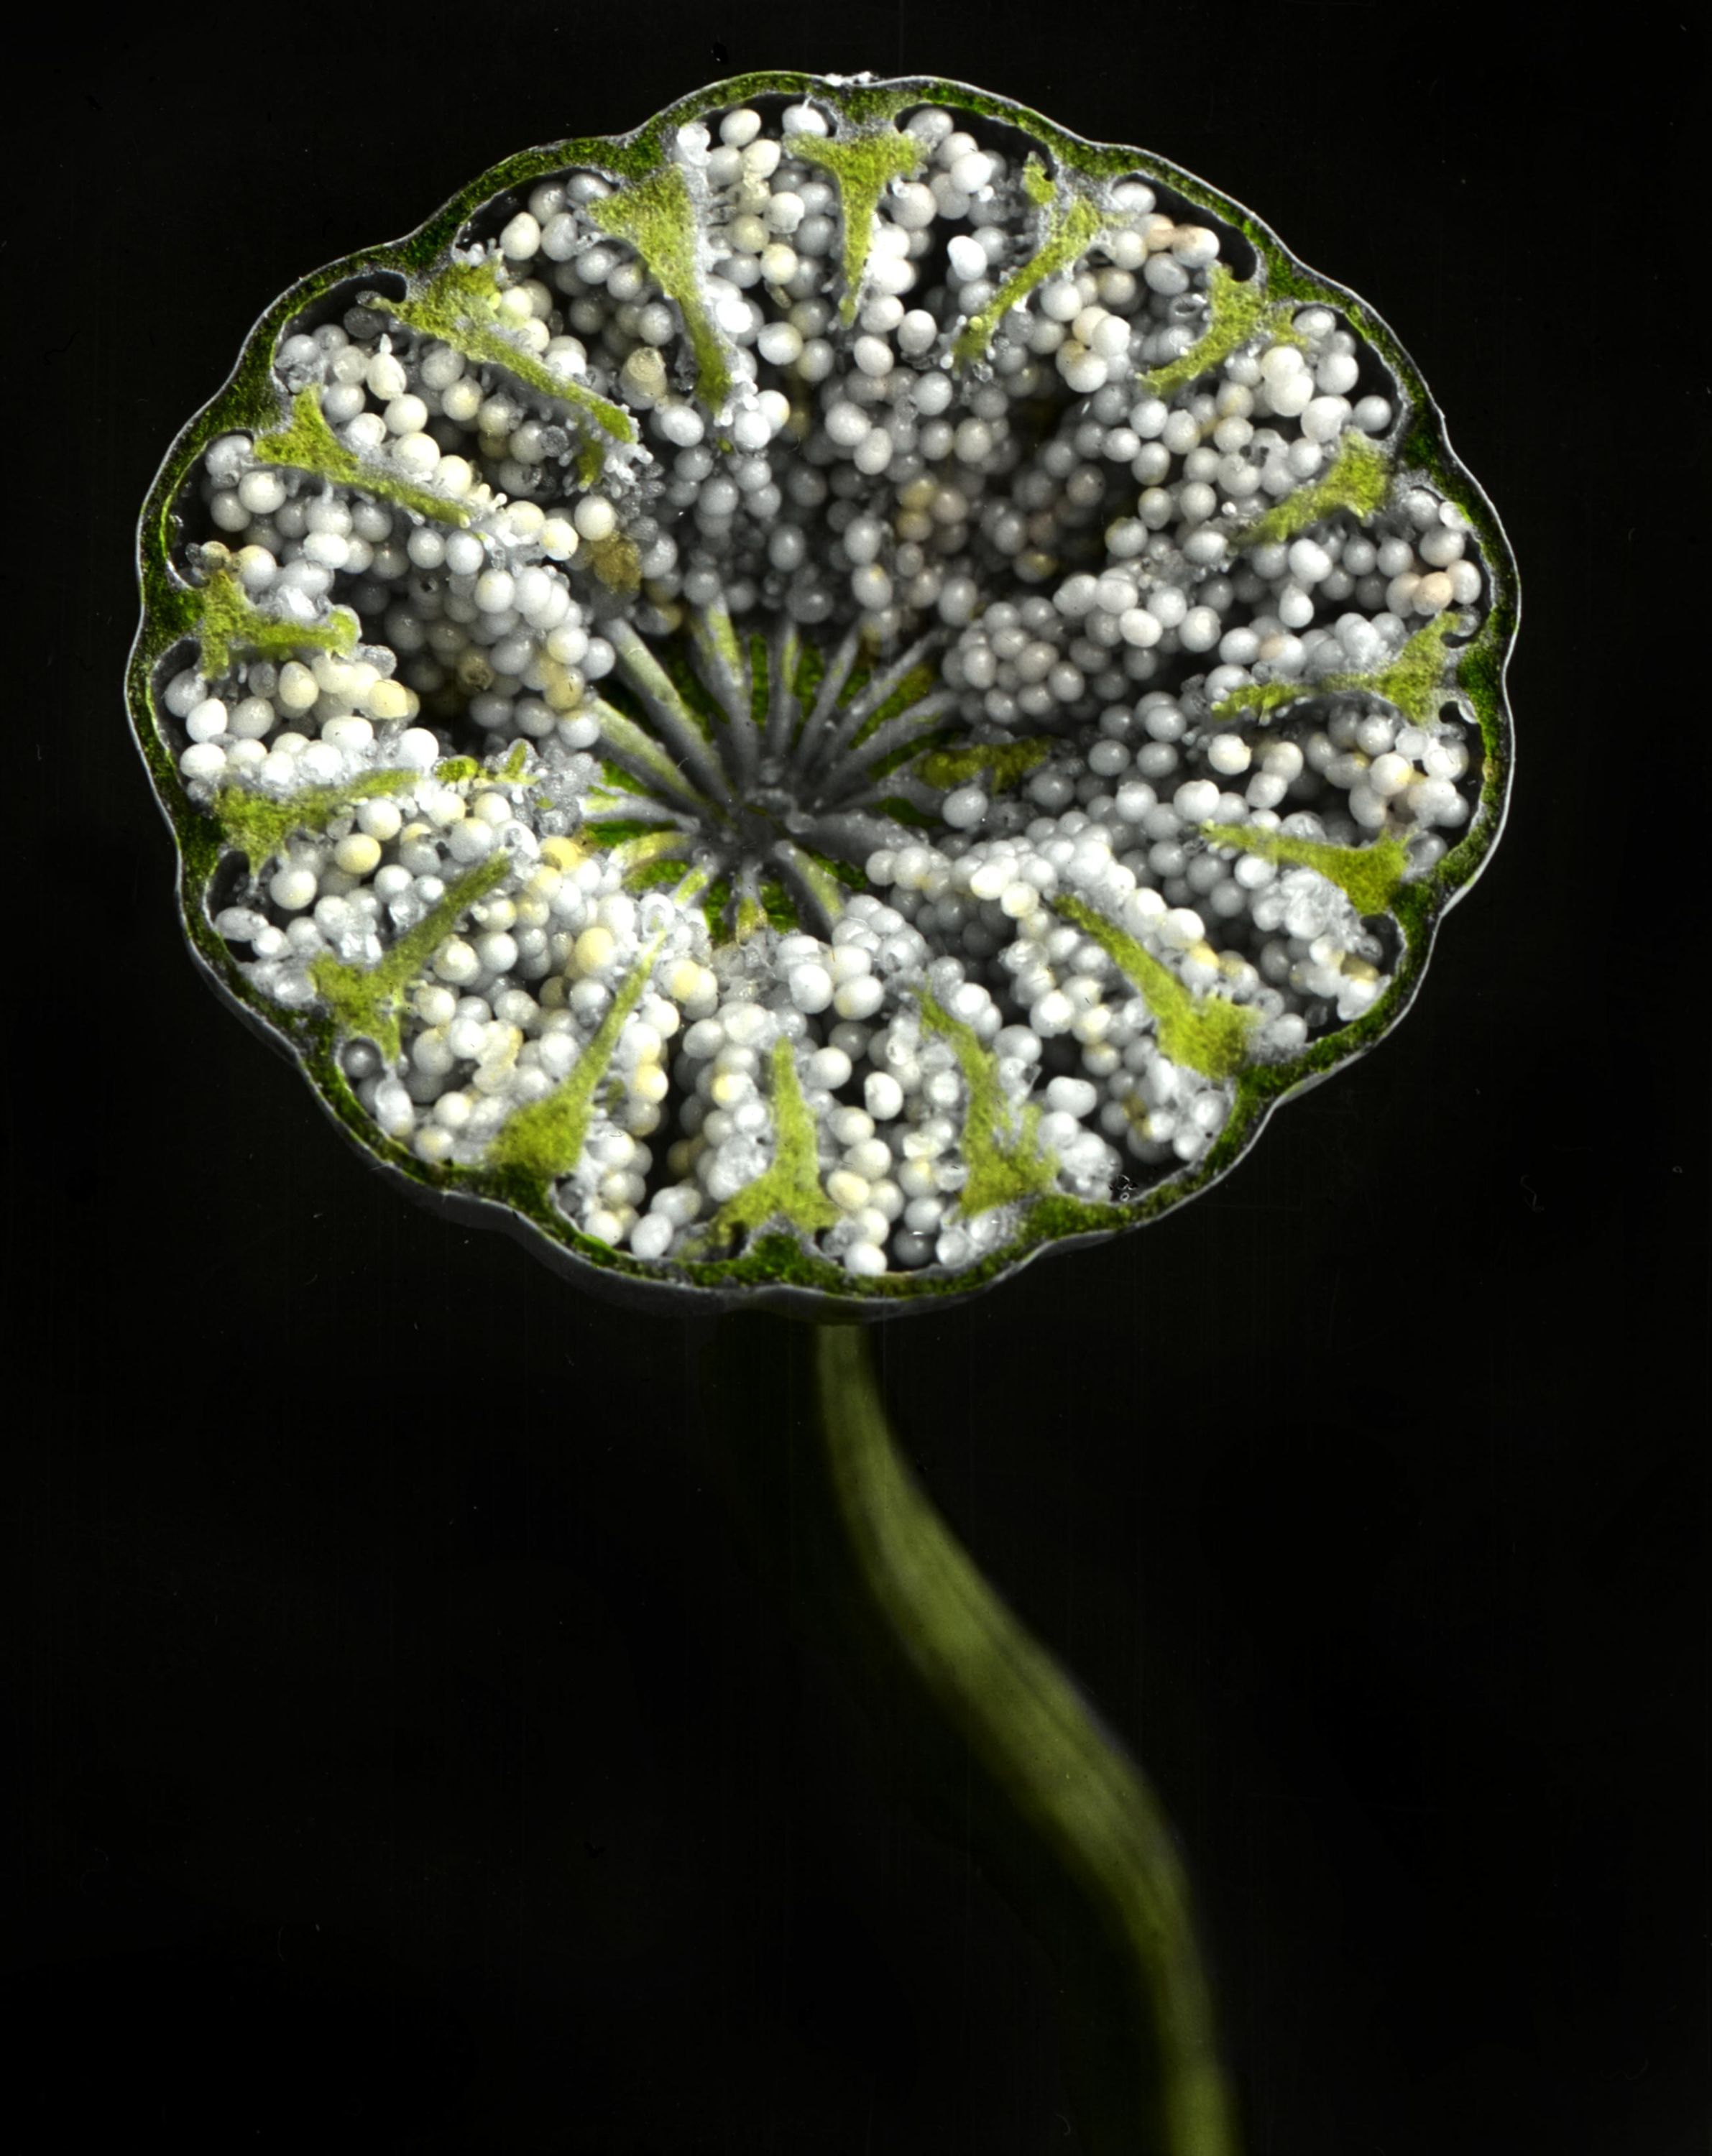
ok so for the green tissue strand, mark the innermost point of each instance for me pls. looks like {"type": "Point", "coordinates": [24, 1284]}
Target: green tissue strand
{"type": "Point", "coordinates": [1037, 182]}
{"type": "Point", "coordinates": [1413, 683]}
{"type": "Point", "coordinates": [461, 307]}
{"type": "Point", "coordinates": [661, 873]}
{"type": "Point", "coordinates": [656, 216]}
{"type": "Point", "coordinates": [227, 622]}
{"type": "Point", "coordinates": [1237, 311]}
{"type": "Point", "coordinates": [1367, 875]}
{"type": "Point", "coordinates": [1077, 227]}
{"type": "Point", "coordinates": [307, 443]}
{"type": "Point", "coordinates": [366, 1000]}
{"type": "Point", "coordinates": [1258, 699]}
{"type": "Point", "coordinates": [916, 686]}
{"type": "Point", "coordinates": [824, 881]}
{"type": "Point", "coordinates": [715, 906]}
{"type": "Point", "coordinates": [1207, 1033]}
{"type": "Point", "coordinates": [810, 672]}
{"type": "Point", "coordinates": [1359, 480]}
{"type": "Point", "coordinates": [657, 859]}
{"type": "Point", "coordinates": [1004, 1163]}
{"type": "Point", "coordinates": [618, 830]}
{"type": "Point", "coordinates": [260, 826]}
{"type": "Point", "coordinates": [1002, 764]}
{"type": "Point", "coordinates": [752, 916]}
{"type": "Point", "coordinates": [617, 561]}
{"type": "Point", "coordinates": [760, 683]}
{"type": "Point", "coordinates": [790, 1186]}
{"type": "Point", "coordinates": [778, 905]}
{"type": "Point", "coordinates": [546, 1138]}
{"type": "Point", "coordinates": [1134, 1987]}
{"type": "Point", "coordinates": [862, 166]}
{"type": "Point", "coordinates": [460, 770]}
{"type": "Point", "coordinates": [1415, 679]}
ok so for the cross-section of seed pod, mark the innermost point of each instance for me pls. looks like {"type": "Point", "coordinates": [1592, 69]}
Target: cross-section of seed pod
{"type": "Point", "coordinates": [816, 700]}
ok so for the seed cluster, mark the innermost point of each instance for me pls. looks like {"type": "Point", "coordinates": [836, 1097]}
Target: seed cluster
{"type": "Point", "coordinates": [849, 683]}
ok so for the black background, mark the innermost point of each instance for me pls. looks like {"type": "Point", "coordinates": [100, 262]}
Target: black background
{"type": "Point", "coordinates": [403, 1749]}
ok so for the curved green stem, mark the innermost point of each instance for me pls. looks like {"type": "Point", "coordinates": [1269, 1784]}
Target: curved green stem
{"type": "Point", "coordinates": [1082, 1803]}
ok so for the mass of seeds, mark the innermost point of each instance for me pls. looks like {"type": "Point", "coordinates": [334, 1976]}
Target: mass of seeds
{"type": "Point", "coordinates": [847, 685]}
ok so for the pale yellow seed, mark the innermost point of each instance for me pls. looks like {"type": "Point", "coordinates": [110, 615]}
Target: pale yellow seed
{"type": "Point", "coordinates": [387, 699]}
{"type": "Point", "coordinates": [847, 1191]}
{"type": "Point", "coordinates": [595, 948]}
{"type": "Point", "coordinates": [357, 854]}
{"type": "Point", "coordinates": [297, 686]}
{"type": "Point", "coordinates": [331, 674]}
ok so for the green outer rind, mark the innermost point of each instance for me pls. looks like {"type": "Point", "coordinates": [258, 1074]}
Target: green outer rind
{"type": "Point", "coordinates": [776, 1271]}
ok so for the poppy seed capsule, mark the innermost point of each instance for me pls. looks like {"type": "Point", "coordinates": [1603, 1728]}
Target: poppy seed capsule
{"type": "Point", "coordinates": [780, 613]}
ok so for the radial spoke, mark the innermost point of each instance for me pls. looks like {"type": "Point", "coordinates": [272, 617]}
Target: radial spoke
{"type": "Point", "coordinates": [784, 706]}
{"type": "Point", "coordinates": [641, 754]}
{"type": "Point", "coordinates": [826, 704]}
{"type": "Point", "coordinates": [894, 786]}
{"type": "Point", "coordinates": [851, 835]}
{"type": "Point", "coordinates": [861, 708]}
{"type": "Point", "coordinates": [916, 724]}
{"type": "Point", "coordinates": [673, 719]}
{"type": "Point", "coordinates": [817, 888]}
{"type": "Point", "coordinates": [723, 665]}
